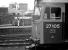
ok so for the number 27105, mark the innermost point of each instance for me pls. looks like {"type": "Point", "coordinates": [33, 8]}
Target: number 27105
{"type": "Point", "coordinates": [52, 25]}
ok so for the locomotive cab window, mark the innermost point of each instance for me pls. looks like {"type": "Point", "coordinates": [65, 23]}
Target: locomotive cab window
{"type": "Point", "coordinates": [55, 13]}
{"type": "Point", "coordinates": [47, 13]}
{"type": "Point", "coordinates": [52, 13]}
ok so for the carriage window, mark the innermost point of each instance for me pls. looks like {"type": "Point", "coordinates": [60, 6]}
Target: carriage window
{"type": "Point", "coordinates": [55, 13]}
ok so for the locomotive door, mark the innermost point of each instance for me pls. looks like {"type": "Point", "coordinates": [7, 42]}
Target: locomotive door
{"type": "Point", "coordinates": [52, 22]}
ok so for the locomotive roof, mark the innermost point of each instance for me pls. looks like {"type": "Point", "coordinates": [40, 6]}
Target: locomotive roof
{"type": "Point", "coordinates": [60, 1]}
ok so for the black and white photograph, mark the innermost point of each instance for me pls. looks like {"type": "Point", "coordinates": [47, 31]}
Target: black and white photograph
{"type": "Point", "coordinates": [33, 24]}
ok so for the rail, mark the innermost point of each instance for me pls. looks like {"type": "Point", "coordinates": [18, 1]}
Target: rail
{"type": "Point", "coordinates": [15, 27]}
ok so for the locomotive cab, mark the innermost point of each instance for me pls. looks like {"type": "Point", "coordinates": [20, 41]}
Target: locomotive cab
{"type": "Point", "coordinates": [50, 28]}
